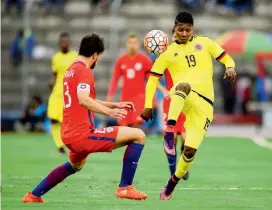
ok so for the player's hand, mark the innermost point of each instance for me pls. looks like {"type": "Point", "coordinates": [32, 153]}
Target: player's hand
{"type": "Point", "coordinates": [147, 114]}
{"type": "Point", "coordinates": [167, 95]}
{"type": "Point", "coordinates": [109, 98]}
{"type": "Point", "coordinates": [126, 105]}
{"type": "Point", "coordinates": [230, 74]}
{"type": "Point", "coordinates": [117, 113]}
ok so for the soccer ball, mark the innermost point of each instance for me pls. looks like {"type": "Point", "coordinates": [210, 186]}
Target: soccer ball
{"type": "Point", "coordinates": [156, 42]}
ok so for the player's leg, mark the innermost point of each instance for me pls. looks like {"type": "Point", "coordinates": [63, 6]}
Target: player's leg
{"type": "Point", "coordinates": [180, 129]}
{"type": "Point", "coordinates": [56, 135]}
{"type": "Point", "coordinates": [182, 136]}
{"type": "Point", "coordinates": [198, 121]}
{"type": "Point", "coordinates": [54, 113]}
{"type": "Point", "coordinates": [134, 138]}
{"type": "Point", "coordinates": [179, 93]}
{"type": "Point", "coordinates": [172, 159]}
{"type": "Point", "coordinates": [78, 155]}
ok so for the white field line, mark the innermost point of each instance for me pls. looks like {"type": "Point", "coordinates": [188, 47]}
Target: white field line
{"type": "Point", "coordinates": [262, 142]}
{"type": "Point", "coordinates": [223, 188]}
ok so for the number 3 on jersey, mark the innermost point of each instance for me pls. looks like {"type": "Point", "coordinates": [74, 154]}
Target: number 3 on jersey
{"type": "Point", "coordinates": [67, 98]}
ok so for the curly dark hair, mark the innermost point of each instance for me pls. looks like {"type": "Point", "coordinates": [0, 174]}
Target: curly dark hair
{"type": "Point", "coordinates": [184, 17]}
{"type": "Point", "coordinates": [91, 44]}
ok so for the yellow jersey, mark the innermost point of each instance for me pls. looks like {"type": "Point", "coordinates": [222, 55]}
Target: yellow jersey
{"type": "Point", "coordinates": [191, 63]}
{"type": "Point", "coordinates": [60, 63]}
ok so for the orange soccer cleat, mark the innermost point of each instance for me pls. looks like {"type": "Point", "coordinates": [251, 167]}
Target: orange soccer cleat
{"type": "Point", "coordinates": [30, 198]}
{"type": "Point", "coordinates": [131, 193]}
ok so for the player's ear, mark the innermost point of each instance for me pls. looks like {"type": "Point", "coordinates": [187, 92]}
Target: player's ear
{"type": "Point", "coordinates": [95, 56]}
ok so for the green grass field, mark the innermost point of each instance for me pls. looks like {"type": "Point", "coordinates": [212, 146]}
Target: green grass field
{"type": "Point", "coordinates": [228, 173]}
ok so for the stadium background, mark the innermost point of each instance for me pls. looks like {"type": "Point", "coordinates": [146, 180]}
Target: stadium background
{"type": "Point", "coordinates": [43, 22]}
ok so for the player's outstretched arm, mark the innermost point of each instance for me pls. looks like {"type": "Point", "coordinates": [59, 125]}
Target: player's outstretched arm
{"type": "Point", "coordinates": [221, 56]}
{"type": "Point", "coordinates": [91, 104]}
{"type": "Point", "coordinates": [120, 105]}
{"type": "Point", "coordinates": [149, 95]}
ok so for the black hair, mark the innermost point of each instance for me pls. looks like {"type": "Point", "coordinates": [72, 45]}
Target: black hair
{"type": "Point", "coordinates": [37, 98]}
{"type": "Point", "coordinates": [20, 32]}
{"type": "Point", "coordinates": [184, 17]}
{"type": "Point", "coordinates": [91, 44]}
{"type": "Point", "coordinates": [64, 35]}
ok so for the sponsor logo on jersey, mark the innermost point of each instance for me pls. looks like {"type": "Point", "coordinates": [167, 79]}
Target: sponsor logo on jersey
{"type": "Point", "coordinates": [198, 47]}
{"type": "Point", "coordinates": [69, 73]}
{"type": "Point", "coordinates": [109, 129]}
{"type": "Point", "coordinates": [138, 66]}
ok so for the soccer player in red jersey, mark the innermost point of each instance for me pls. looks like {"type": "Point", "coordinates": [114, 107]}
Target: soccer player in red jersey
{"type": "Point", "coordinates": [78, 131]}
{"type": "Point", "coordinates": [133, 67]}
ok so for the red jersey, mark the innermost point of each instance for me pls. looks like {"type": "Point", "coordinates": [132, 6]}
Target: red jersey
{"type": "Point", "coordinates": [179, 128]}
{"type": "Point", "coordinates": [77, 120]}
{"type": "Point", "coordinates": [134, 72]}
{"type": "Point", "coordinates": [168, 80]}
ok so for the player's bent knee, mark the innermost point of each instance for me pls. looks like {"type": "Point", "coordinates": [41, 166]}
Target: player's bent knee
{"type": "Point", "coordinates": [140, 138]}
{"type": "Point", "coordinates": [184, 87]}
{"type": "Point", "coordinates": [77, 167]}
{"type": "Point", "coordinates": [189, 152]}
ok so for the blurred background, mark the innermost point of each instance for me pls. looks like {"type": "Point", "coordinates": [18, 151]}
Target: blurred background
{"type": "Point", "coordinates": [30, 36]}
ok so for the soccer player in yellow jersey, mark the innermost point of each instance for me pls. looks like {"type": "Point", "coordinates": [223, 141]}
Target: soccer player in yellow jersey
{"type": "Point", "coordinates": [189, 61]}
{"type": "Point", "coordinates": [60, 63]}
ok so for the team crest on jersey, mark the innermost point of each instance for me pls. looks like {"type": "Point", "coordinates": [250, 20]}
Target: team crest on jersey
{"type": "Point", "coordinates": [138, 66]}
{"type": "Point", "coordinates": [83, 86]}
{"type": "Point", "coordinates": [198, 47]}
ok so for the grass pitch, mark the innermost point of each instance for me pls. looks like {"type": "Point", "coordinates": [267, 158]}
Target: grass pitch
{"type": "Point", "coordinates": [228, 173]}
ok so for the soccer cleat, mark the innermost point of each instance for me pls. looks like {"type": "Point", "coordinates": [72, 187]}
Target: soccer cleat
{"type": "Point", "coordinates": [163, 195]}
{"type": "Point", "coordinates": [168, 144]}
{"type": "Point", "coordinates": [168, 190]}
{"type": "Point", "coordinates": [30, 198]}
{"type": "Point", "coordinates": [61, 151]}
{"type": "Point", "coordinates": [130, 192]}
{"type": "Point", "coordinates": [186, 176]}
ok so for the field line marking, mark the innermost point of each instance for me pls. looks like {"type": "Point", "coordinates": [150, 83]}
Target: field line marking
{"type": "Point", "coordinates": [262, 142]}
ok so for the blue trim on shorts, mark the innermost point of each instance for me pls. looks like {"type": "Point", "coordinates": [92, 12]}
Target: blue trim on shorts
{"type": "Point", "coordinates": [90, 118]}
{"type": "Point", "coordinates": [102, 138]}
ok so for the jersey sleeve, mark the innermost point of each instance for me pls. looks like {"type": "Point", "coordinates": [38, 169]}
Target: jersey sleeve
{"type": "Point", "coordinates": [147, 66]}
{"type": "Point", "coordinates": [161, 63]}
{"type": "Point", "coordinates": [215, 50]}
{"type": "Point", "coordinates": [54, 64]}
{"type": "Point", "coordinates": [116, 74]}
{"type": "Point", "coordinates": [84, 81]}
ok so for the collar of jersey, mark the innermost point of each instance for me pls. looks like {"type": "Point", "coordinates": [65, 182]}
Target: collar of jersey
{"type": "Point", "coordinates": [178, 42]}
{"type": "Point", "coordinates": [81, 62]}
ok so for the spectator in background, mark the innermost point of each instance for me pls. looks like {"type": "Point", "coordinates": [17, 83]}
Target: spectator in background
{"type": "Point", "coordinates": [228, 93]}
{"type": "Point", "coordinates": [51, 4]}
{"type": "Point", "coordinates": [17, 3]}
{"type": "Point", "coordinates": [244, 84]}
{"type": "Point", "coordinates": [29, 42]}
{"type": "Point", "coordinates": [238, 6]}
{"type": "Point", "coordinates": [33, 117]}
{"type": "Point", "coordinates": [17, 49]}
{"type": "Point", "coordinates": [268, 84]}
{"type": "Point", "coordinates": [102, 5]}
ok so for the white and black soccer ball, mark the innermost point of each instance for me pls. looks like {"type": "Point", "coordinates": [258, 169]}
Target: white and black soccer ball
{"type": "Point", "coordinates": [156, 42]}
